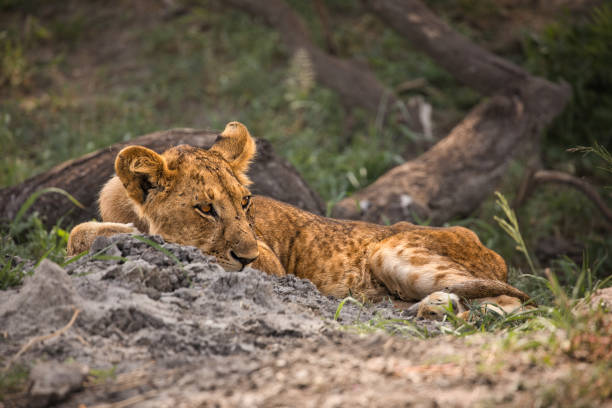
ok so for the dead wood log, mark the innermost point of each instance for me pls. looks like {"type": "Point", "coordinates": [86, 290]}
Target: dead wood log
{"type": "Point", "coordinates": [84, 177]}
{"type": "Point", "coordinates": [459, 172]}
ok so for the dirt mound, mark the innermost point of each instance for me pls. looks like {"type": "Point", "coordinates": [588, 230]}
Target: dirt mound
{"type": "Point", "coordinates": [140, 300]}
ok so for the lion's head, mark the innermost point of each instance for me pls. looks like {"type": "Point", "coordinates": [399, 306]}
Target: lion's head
{"type": "Point", "coordinates": [196, 197]}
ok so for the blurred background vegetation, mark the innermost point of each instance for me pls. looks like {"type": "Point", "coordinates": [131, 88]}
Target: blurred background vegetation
{"type": "Point", "coordinates": [76, 76]}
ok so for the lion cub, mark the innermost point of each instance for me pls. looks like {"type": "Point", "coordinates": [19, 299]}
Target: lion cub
{"type": "Point", "coordinates": [200, 197]}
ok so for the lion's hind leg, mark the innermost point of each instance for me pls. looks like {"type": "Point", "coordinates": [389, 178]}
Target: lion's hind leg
{"type": "Point", "coordinates": [415, 273]}
{"type": "Point", "coordinates": [411, 273]}
{"type": "Point", "coordinates": [83, 235]}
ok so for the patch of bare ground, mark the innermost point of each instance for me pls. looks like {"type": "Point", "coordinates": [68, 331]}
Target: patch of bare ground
{"type": "Point", "coordinates": [343, 371]}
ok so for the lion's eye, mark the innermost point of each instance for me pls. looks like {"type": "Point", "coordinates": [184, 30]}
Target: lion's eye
{"type": "Point", "coordinates": [204, 209]}
{"type": "Point", "coordinates": [245, 201]}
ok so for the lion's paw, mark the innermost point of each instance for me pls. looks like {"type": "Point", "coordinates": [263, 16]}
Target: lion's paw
{"type": "Point", "coordinates": [436, 305]}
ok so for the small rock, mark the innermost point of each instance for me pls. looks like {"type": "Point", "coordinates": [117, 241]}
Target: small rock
{"type": "Point", "coordinates": [105, 245]}
{"type": "Point", "coordinates": [602, 297]}
{"type": "Point", "coordinates": [49, 287]}
{"type": "Point", "coordinates": [53, 381]}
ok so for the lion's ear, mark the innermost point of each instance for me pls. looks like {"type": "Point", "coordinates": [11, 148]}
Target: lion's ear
{"type": "Point", "coordinates": [237, 147]}
{"type": "Point", "coordinates": [140, 169]}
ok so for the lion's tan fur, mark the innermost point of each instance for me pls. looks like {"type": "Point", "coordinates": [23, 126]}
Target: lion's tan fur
{"type": "Point", "coordinates": [160, 194]}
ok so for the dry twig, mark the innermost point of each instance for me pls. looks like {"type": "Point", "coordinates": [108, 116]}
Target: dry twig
{"type": "Point", "coordinates": [39, 339]}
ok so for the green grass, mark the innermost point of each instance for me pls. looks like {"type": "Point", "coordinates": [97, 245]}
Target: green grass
{"type": "Point", "coordinates": [394, 327]}
{"type": "Point", "coordinates": [511, 227]}
{"type": "Point", "coordinates": [161, 249]}
{"type": "Point", "coordinates": [26, 239]}
{"type": "Point", "coordinates": [101, 375]}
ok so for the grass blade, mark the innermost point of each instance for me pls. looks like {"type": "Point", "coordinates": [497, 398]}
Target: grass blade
{"type": "Point", "coordinates": [159, 248]}
{"type": "Point", "coordinates": [34, 196]}
{"type": "Point", "coordinates": [341, 305]}
{"type": "Point", "coordinates": [75, 258]}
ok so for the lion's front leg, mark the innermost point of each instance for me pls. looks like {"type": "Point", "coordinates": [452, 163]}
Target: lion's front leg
{"type": "Point", "coordinates": [83, 235]}
{"type": "Point", "coordinates": [267, 261]}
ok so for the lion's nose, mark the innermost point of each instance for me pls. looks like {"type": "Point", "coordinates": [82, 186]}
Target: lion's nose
{"type": "Point", "coordinates": [243, 261]}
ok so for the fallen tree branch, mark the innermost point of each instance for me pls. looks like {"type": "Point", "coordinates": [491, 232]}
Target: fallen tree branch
{"type": "Point", "coordinates": [459, 172]}
{"type": "Point", "coordinates": [557, 177]}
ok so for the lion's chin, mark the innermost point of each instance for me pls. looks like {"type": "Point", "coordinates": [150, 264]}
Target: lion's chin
{"type": "Point", "coordinates": [231, 267]}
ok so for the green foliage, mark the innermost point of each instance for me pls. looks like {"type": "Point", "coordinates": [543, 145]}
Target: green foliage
{"type": "Point", "coordinates": [484, 319]}
{"type": "Point", "coordinates": [26, 238]}
{"type": "Point", "coordinates": [552, 213]}
{"type": "Point", "coordinates": [13, 64]}
{"type": "Point", "coordinates": [556, 309]}
{"type": "Point", "coordinates": [34, 196]}
{"type": "Point", "coordinates": [599, 151]}
{"type": "Point", "coordinates": [580, 54]}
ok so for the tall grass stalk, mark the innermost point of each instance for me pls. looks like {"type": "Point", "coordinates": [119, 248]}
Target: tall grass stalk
{"type": "Point", "coordinates": [34, 196]}
{"type": "Point", "coordinates": [511, 227]}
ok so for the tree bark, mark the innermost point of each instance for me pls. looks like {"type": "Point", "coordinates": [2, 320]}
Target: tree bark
{"type": "Point", "coordinates": [460, 171]}
{"type": "Point", "coordinates": [357, 86]}
{"type": "Point", "coordinates": [85, 176]}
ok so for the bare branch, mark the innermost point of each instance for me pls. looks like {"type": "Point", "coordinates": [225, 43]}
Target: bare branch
{"type": "Point", "coordinates": [557, 177]}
